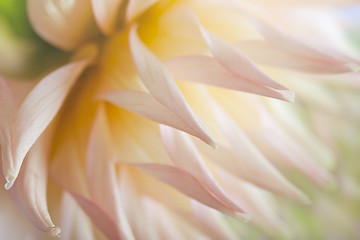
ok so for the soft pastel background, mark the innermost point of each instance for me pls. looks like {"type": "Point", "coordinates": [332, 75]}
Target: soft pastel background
{"type": "Point", "coordinates": [335, 210]}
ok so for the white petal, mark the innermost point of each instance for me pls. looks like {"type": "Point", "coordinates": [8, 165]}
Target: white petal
{"type": "Point", "coordinates": [106, 13]}
{"type": "Point", "coordinates": [207, 70]}
{"type": "Point", "coordinates": [61, 23]}
{"type": "Point", "coordinates": [236, 62]}
{"type": "Point", "coordinates": [100, 218]}
{"type": "Point", "coordinates": [101, 172]}
{"type": "Point", "coordinates": [7, 117]}
{"type": "Point", "coordinates": [147, 106]}
{"type": "Point", "coordinates": [185, 155]}
{"type": "Point", "coordinates": [188, 184]}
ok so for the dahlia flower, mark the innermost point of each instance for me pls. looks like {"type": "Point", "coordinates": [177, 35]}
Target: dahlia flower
{"type": "Point", "coordinates": [172, 119]}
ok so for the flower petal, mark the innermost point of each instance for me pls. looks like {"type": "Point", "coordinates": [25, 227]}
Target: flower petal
{"type": "Point", "coordinates": [38, 110]}
{"type": "Point", "coordinates": [258, 169]}
{"type": "Point", "coordinates": [236, 62]}
{"type": "Point", "coordinates": [265, 53]}
{"type": "Point", "coordinates": [292, 44]}
{"type": "Point", "coordinates": [98, 163]}
{"type": "Point", "coordinates": [289, 119]}
{"type": "Point", "coordinates": [147, 106]}
{"type": "Point", "coordinates": [100, 218]}
{"type": "Point", "coordinates": [131, 198]}
{"type": "Point", "coordinates": [51, 20]}
{"type": "Point", "coordinates": [185, 155]}
{"type": "Point", "coordinates": [161, 220]}
{"type": "Point", "coordinates": [207, 70]}
{"type": "Point", "coordinates": [11, 219]}
{"type": "Point", "coordinates": [211, 221]}
{"type": "Point", "coordinates": [287, 150]}
{"type": "Point", "coordinates": [162, 86]}
{"type": "Point", "coordinates": [188, 184]}
{"type": "Point", "coordinates": [255, 201]}
{"type": "Point", "coordinates": [74, 222]}
{"type": "Point", "coordinates": [73, 178]}
{"type": "Point", "coordinates": [136, 7]}
{"type": "Point", "coordinates": [106, 14]}
{"type": "Point", "coordinates": [29, 191]}
{"type": "Point", "coordinates": [101, 172]}
{"type": "Point", "coordinates": [7, 117]}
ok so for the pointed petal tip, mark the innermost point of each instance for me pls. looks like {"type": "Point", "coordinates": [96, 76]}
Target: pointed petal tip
{"type": "Point", "coordinates": [55, 232]}
{"type": "Point", "coordinates": [206, 136]}
{"type": "Point", "coordinates": [288, 95]}
{"type": "Point", "coordinates": [214, 145]}
{"type": "Point", "coordinates": [244, 217]}
{"type": "Point", "coordinates": [209, 139]}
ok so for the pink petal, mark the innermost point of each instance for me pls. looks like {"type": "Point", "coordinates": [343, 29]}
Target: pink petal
{"type": "Point", "coordinates": [52, 19]}
{"type": "Point", "coordinates": [74, 222]}
{"type": "Point", "coordinates": [100, 218]}
{"type": "Point", "coordinates": [289, 119]}
{"type": "Point", "coordinates": [290, 152]}
{"type": "Point", "coordinates": [237, 63]}
{"type": "Point", "coordinates": [186, 156]}
{"type": "Point", "coordinates": [169, 225]}
{"type": "Point", "coordinates": [255, 201]}
{"type": "Point", "coordinates": [101, 172]}
{"type": "Point", "coordinates": [212, 222]}
{"type": "Point", "coordinates": [106, 14]}
{"type": "Point", "coordinates": [292, 44]}
{"type": "Point", "coordinates": [187, 184]}
{"type": "Point", "coordinates": [136, 7]}
{"type": "Point", "coordinates": [29, 191]}
{"type": "Point", "coordinates": [147, 106]}
{"type": "Point", "coordinates": [207, 70]}
{"type": "Point", "coordinates": [255, 166]}
{"type": "Point", "coordinates": [38, 110]}
{"type": "Point", "coordinates": [99, 167]}
{"type": "Point", "coordinates": [163, 223]}
{"type": "Point", "coordinates": [131, 199]}
{"type": "Point", "coordinates": [7, 117]}
{"type": "Point", "coordinates": [346, 80]}
{"type": "Point", "coordinates": [265, 53]}
{"type": "Point", "coordinates": [12, 220]}
{"type": "Point", "coordinates": [162, 86]}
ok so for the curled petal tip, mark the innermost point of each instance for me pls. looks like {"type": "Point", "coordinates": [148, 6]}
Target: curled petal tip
{"type": "Point", "coordinates": [55, 231]}
{"type": "Point", "coordinates": [8, 185]}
